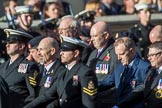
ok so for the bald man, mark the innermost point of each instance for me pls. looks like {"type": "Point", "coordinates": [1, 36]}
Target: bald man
{"type": "Point", "coordinates": [156, 34]}
{"type": "Point", "coordinates": [103, 59]}
{"type": "Point", "coordinates": [48, 49]}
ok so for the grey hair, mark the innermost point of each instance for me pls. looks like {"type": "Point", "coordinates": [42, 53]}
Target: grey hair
{"type": "Point", "coordinates": [128, 42]}
{"type": "Point", "coordinates": [156, 45]}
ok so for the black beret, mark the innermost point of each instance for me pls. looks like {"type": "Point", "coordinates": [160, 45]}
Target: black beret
{"type": "Point", "coordinates": [33, 43]}
{"type": "Point", "coordinates": [126, 34]}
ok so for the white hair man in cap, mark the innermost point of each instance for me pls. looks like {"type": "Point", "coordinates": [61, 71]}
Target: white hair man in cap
{"type": "Point", "coordinates": [142, 29]}
{"type": "Point", "coordinates": [17, 68]}
{"type": "Point", "coordinates": [25, 19]}
{"type": "Point", "coordinates": [77, 85]}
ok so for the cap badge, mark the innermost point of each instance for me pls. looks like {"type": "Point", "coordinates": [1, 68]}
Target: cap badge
{"type": "Point", "coordinates": [91, 85]}
{"type": "Point", "coordinates": [7, 33]}
{"type": "Point", "coordinates": [158, 93]}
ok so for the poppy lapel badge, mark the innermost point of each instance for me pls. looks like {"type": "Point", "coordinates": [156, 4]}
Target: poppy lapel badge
{"type": "Point", "coordinates": [107, 57]}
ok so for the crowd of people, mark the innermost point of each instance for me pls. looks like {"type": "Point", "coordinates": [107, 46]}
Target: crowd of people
{"type": "Point", "coordinates": [72, 61]}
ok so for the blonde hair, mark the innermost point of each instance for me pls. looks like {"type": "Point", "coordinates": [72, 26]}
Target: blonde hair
{"type": "Point", "coordinates": [92, 5]}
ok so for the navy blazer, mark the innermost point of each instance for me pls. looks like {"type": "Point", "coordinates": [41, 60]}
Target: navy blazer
{"type": "Point", "coordinates": [134, 79]}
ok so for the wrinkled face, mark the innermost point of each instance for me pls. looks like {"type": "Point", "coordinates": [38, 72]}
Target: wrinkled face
{"type": "Point", "coordinates": [44, 52]}
{"type": "Point", "coordinates": [12, 48]}
{"type": "Point", "coordinates": [67, 56]}
{"type": "Point", "coordinates": [34, 55]}
{"type": "Point", "coordinates": [26, 19]}
{"type": "Point", "coordinates": [155, 57]}
{"type": "Point", "coordinates": [123, 54]}
{"type": "Point", "coordinates": [54, 11]}
{"type": "Point", "coordinates": [64, 29]}
{"type": "Point", "coordinates": [98, 39]}
{"type": "Point", "coordinates": [144, 15]}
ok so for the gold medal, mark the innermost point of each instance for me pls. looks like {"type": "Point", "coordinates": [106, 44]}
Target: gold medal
{"type": "Point", "coordinates": [158, 94]}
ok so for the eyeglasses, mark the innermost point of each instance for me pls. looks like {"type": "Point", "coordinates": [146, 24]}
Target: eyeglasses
{"type": "Point", "coordinates": [101, 34]}
{"type": "Point", "coordinates": [155, 54]}
{"type": "Point", "coordinates": [65, 29]}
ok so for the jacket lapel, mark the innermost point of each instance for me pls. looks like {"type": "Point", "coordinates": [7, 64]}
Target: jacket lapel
{"type": "Point", "coordinates": [131, 71]}
{"type": "Point", "coordinates": [156, 80]}
{"type": "Point", "coordinates": [70, 75]}
{"type": "Point", "coordinates": [54, 68]}
{"type": "Point", "coordinates": [14, 65]}
{"type": "Point", "coordinates": [51, 72]}
{"type": "Point", "coordinates": [149, 79]}
{"type": "Point", "coordinates": [109, 46]}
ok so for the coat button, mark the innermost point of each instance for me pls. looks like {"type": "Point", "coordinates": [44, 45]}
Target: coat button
{"type": "Point", "coordinates": [65, 100]}
{"type": "Point", "coordinates": [60, 100]}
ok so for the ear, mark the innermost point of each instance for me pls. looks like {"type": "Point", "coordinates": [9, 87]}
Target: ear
{"type": "Point", "coordinates": [53, 51]}
{"type": "Point", "coordinates": [131, 50]}
{"type": "Point", "coordinates": [107, 35]}
{"type": "Point", "coordinates": [77, 52]}
{"type": "Point", "coordinates": [21, 46]}
{"type": "Point", "coordinates": [46, 12]}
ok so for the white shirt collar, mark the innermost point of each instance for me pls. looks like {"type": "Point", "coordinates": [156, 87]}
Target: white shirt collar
{"type": "Point", "coordinates": [160, 69]}
{"type": "Point", "coordinates": [50, 65]}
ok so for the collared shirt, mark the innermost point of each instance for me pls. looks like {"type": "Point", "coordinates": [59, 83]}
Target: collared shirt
{"type": "Point", "coordinates": [131, 63]}
{"type": "Point", "coordinates": [99, 50]}
{"type": "Point", "coordinates": [10, 62]}
{"type": "Point", "coordinates": [159, 69]}
{"type": "Point", "coordinates": [69, 67]}
{"type": "Point", "coordinates": [50, 65]}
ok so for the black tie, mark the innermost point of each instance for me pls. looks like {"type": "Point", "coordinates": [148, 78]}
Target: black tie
{"type": "Point", "coordinates": [44, 72]}
{"type": "Point", "coordinates": [66, 74]}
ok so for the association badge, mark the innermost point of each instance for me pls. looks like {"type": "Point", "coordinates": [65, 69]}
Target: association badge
{"type": "Point", "coordinates": [102, 68]}
{"type": "Point", "coordinates": [48, 82]}
{"type": "Point", "coordinates": [158, 93]}
{"type": "Point", "coordinates": [75, 80]}
{"type": "Point", "coordinates": [23, 68]}
{"type": "Point", "coordinates": [107, 57]}
{"type": "Point", "coordinates": [91, 85]}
